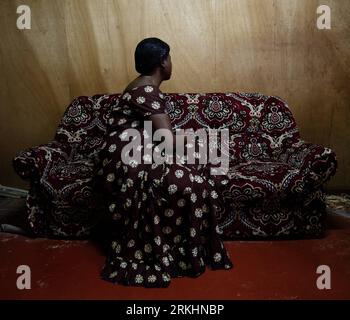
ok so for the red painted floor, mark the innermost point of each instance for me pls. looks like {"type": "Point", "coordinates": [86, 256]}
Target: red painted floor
{"type": "Point", "coordinates": [262, 270]}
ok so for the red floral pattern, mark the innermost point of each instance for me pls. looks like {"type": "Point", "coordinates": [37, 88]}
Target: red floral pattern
{"type": "Point", "coordinates": [274, 187]}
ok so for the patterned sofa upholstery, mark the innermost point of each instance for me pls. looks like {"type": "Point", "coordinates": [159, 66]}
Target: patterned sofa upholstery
{"type": "Point", "coordinates": [274, 187]}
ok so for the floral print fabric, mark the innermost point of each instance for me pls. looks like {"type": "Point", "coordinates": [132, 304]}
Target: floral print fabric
{"type": "Point", "coordinates": [163, 215]}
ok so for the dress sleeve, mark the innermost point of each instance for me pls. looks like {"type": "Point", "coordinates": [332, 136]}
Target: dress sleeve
{"type": "Point", "coordinates": [149, 100]}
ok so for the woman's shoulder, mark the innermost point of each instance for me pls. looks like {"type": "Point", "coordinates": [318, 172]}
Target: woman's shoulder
{"type": "Point", "coordinates": [147, 99]}
{"type": "Point", "coordinates": [144, 90]}
{"type": "Point", "coordinates": [145, 87]}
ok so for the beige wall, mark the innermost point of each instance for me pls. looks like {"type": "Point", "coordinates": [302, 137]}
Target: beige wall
{"type": "Point", "coordinates": [83, 47]}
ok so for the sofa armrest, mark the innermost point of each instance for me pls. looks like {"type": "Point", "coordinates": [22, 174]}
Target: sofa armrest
{"type": "Point", "coordinates": [316, 162]}
{"type": "Point", "coordinates": [30, 163]}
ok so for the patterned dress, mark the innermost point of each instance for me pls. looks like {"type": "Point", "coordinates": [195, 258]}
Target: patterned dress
{"type": "Point", "coordinates": [163, 215]}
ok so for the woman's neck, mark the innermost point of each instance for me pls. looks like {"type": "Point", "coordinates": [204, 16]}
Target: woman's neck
{"type": "Point", "coordinates": [155, 79]}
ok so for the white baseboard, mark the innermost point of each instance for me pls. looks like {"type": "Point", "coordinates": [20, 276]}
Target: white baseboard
{"type": "Point", "coordinates": [11, 192]}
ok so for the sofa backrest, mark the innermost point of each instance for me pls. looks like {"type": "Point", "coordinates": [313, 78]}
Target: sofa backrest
{"type": "Point", "coordinates": [85, 122]}
{"type": "Point", "coordinates": [258, 124]}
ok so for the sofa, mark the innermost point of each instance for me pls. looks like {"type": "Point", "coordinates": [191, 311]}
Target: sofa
{"type": "Point", "coordinates": [274, 187]}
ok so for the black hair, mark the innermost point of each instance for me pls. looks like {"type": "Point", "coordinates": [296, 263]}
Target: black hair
{"type": "Point", "coordinates": [149, 54]}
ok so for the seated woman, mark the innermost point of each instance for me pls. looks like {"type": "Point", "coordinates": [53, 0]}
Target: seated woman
{"type": "Point", "coordinates": [163, 214]}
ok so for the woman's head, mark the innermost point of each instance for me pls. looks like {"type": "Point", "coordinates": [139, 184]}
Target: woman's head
{"type": "Point", "coordinates": [153, 53]}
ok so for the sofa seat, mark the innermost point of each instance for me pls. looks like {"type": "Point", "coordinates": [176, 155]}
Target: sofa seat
{"type": "Point", "coordinates": [257, 179]}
